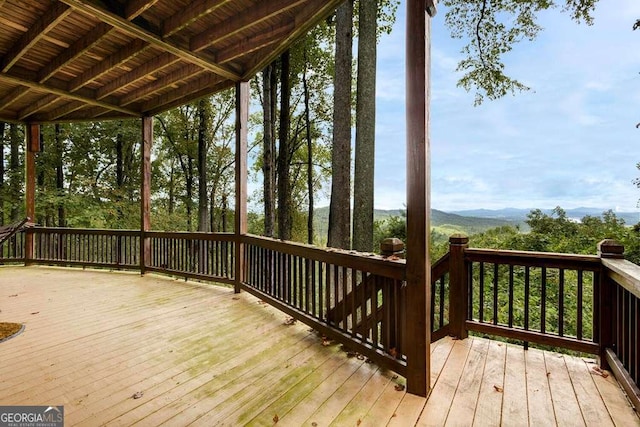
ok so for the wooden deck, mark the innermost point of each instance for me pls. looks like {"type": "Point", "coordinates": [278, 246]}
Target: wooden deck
{"type": "Point", "coordinates": [199, 354]}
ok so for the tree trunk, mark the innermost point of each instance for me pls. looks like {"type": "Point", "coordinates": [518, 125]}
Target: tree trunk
{"type": "Point", "coordinates": [119, 171]}
{"type": "Point", "coordinates": [15, 173]}
{"type": "Point", "coordinates": [189, 190]}
{"type": "Point", "coordinates": [2, 190]}
{"type": "Point", "coordinates": [365, 128]}
{"type": "Point", "coordinates": [268, 162]}
{"type": "Point", "coordinates": [340, 205]}
{"type": "Point", "coordinates": [307, 120]}
{"type": "Point", "coordinates": [285, 217]}
{"type": "Point", "coordinates": [203, 199]}
{"type": "Point", "coordinates": [59, 175]}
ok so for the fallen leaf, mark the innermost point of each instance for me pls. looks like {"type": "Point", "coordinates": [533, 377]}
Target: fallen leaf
{"type": "Point", "coordinates": [235, 298]}
{"type": "Point", "coordinates": [394, 415]}
{"type": "Point", "coordinates": [12, 296]}
{"type": "Point", "coordinates": [392, 258]}
{"type": "Point", "coordinates": [393, 352]}
{"type": "Point", "coordinates": [498, 388]}
{"type": "Point", "coordinates": [138, 394]}
{"type": "Point", "coordinates": [360, 357]}
{"type": "Point", "coordinates": [399, 387]}
{"type": "Point", "coordinates": [359, 422]}
{"type": "Point", "coordinates": [261, 302]}
{"type": "Point", "coordinates": [290, 321]}
{"type": "Point", "coordinates": [35, 312]}
{"type": "Point", "coordinates": [351, 354]}
{"type": "Point", "coordinates": [395, 377]}
{"type": "Point", "coordinates": [368, 360]}
{"type": "Point", "coordinates": [326, 341]}
{"type": "Point", "coordinates": [314, 424]}
{"type": "Point", "coordinates": [596, 370]}
{"type": "Point", "coordinates": [276, 418]}
{"type": "Point", "coordinates": [548, 374]}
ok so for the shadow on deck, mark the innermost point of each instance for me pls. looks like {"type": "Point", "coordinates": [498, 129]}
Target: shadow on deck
{"type": "Point", "coordinates": [200, 354]}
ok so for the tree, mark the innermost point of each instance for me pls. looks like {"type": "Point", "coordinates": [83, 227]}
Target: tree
{"type": "Point", "coordinates": [285, 207]}
{"type": "Point", "coordinates": [339, 235]}
{"type": "Point", "coordinates": [269, 97]}
{"type": "Point", "coordinates": [493, 28]}
{"type": "Point", "coordinates": [365, 127]}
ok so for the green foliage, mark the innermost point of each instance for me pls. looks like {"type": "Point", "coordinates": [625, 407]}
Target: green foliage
{"type": "Point", "coordinates": [493, 28]}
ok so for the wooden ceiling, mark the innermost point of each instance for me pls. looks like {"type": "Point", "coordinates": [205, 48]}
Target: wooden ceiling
{"type": "Point", "coordinates": [73, 60]}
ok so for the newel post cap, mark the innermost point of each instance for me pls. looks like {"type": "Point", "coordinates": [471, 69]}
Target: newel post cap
{"type": "Point", "coordinates": [610, 248]}
{"type": "Point", "coordinates": [458, 239]}
{"type": "Point", "coordinates": [391, 245]}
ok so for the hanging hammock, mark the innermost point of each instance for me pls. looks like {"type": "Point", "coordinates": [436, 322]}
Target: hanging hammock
{"type": "Point", "coordinates": [8, 231]}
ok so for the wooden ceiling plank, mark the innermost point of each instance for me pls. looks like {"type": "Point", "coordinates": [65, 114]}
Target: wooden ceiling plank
{"type": "Point", "coordinates": [13, 96]}
{"type": "Point", "coordinates": [195, 11]}
{"type": "Point", "coordinates": [123, 54]}
{"type": "Point", "coordinates": [64, 110]}
{"type": "Point", "coordinates": [136, 7]}
{"type": "Point", "coordinates": [78, 48]}
{"type": "Point", "coordinates": [34, 107]}
{"type": "Point", "coordinates": [48, 20]}
{"type": "Point", "coordinates": [156, 64]}
{"type": "Point", "coordinates": [177, 100]}
{"type": "Point", "coordinates": [205, 82]}
{"type": "Point", "coordinates": [91, 8]}
{"type": "Point", "coordinates": [175, 76]}
{"type": "Point", "coordinates": [263, 11]}
{"type": "Point", "coordinates": [314, 11]}
{"type": "Point", "coordinates": [251, 44]}
{"type": "Point", "coordinates": [60, 89]}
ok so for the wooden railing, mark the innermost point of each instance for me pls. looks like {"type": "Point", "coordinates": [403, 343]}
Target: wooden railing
{"type": "Point", "coordinates": [13, 249]}
{"type": "Point", "coordinates": [352, 298]}
{"type": "Point", "coordinates": [206, 256]}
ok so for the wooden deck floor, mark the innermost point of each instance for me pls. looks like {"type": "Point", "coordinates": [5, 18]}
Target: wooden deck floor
{"type": "Point", "coordinates": [198, 354]}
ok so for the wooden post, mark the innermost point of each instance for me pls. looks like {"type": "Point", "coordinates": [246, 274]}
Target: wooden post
{"type": "Point", "coordinates": [33, 147]}
{"type": "Point", "coordinates": [458, 286]}
{"type": "Point", "coordinates": [606, 304]}
{"type": "Point", "coordinates": [418, 196]}
{"type": "Point", "coordinates": [242, 119]}
{"type": "Point", "coordinates": [145, 193]}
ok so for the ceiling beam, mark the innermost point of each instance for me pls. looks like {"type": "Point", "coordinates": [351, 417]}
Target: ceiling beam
{"type": "Point", "coordinates": [196, 10]}
{"type": "Point", "coordinates": [51, 17]}
{"type": "Point", "coordinates": [145, 70]}
{"type": "Point", "coordinates": [91, 8]}
{"type": "Point", "coordinates": [180, 74]}
{"type": "Point", "coordinates": [64, 110]}
{"type": "Point", "coordinates": [184, 91]}
{"type": "Point", "coordinates": [241, 21]}
{"type": "Point", "coordinates": [313, 12]}
{"type": "Point", "coordinates": [13, 96]}
{"type": "Point", "coordinates": [78, 48]}
{"type": "Point", "coordinates": [134, 8]}
{"type": "Point", "coordinates": [34, 107]}
{"type": "Point", "coordinates": [191, 97]}
{"type": "Point", "coordinates": [56, 87]}
{"type": "Point", "coordinates": [251, 44]}
{"type": "Point", "coordinates": [120, 56]}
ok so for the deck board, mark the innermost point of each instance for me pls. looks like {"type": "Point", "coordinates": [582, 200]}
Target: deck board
{"type": "Point", "coordinates": [203, 355]}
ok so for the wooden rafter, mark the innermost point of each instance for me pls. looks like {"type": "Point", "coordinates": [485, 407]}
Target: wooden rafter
{"type": "Point", "coordinates": [65, 109]}
{"type": "Point", "coordinates": [263, 11]}
{"type": "Point", "coordinates": [37, 106]}
{"type": "Point", "coordinates": [176, 101]}
{"type": "Point", "coordinates": [251, 44]}
{"type": "Point", "coordinates": [206, 83]}
{"type": "Point", "coordinates": [51, 17]}
{"type": "Point", "coordinates": [59, 88]}
{"type": "Point", "coordinates": [78, 48]}
{"type": "Point", "coordinates": [183, 73]}
{"type": "Point", "coordinates": [158, 63]}
{"type": "Point", "coordinates": [13, 96]}
{"type": "Point", "coordinates": [120, 56]}
{"type": "Point", "coordinates": [135, 7]}
{"type": "Point", "coordinates": [197, 9]}
{"type": "Point", "coordinates": [91, 8]}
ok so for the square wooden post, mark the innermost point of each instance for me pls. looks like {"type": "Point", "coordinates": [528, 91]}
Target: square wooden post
{"type": "Point", "coordinates": [33, 147]}
{"type": "Point", "coordinates": [606, 302]}
{"type": "Point", "coordinates": [458, 285]}
{"type": "Point", "coordinates": [418, 196]}
{"type": "Point", "coordinates": [145, 193]}
{"type": "Point", "coordinates": [242, 120]}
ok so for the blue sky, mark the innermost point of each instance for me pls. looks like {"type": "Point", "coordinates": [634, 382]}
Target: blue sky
{"type": "Point", "coordinates": [570, 141]}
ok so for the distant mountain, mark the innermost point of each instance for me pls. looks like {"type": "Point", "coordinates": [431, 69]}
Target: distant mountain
{"type": "Point", "coordinates": [520, 215]}
{"type": "Point", "coordinates": [442, 222]}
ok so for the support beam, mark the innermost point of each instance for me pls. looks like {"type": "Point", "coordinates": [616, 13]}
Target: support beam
{"type": "Point", "coordinates": [137, 7]}
{"type": "Point", "coordinates": [418, 198]}
{"type": "Point", "coordinates": [242, 121]}
{"type": "Point", "coordinates": [34, 107]}
{"type": "Point", "coordinates": [93, 8]}
{"type": "Point", "coordinates": [254, 15]}
{"type": "Point", "coordinates": [145, 193]}
{"type": "Point", "coordinates": [13, 96]}
{"type": "Point", "coordinates": [196, 10]}
{"type": "Point", "coordinates": [51, 17]}
{"type": "Point", "coordinates": [33, 147]}
{"type": "Point", "coordinates": [162, 83]}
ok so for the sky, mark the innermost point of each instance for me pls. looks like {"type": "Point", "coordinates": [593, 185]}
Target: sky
{"type": "Point", "coordinates": [571, 141]}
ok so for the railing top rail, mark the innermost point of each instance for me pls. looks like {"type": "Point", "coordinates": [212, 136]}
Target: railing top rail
{"type": "Point", "coordinates": [62, 230]}
{"type": "Point", "coordinates": [534, 259]}
{"type": "Point", "coordinates": [624, 273]}
{"type": "Point", "coordinates": [371, 263]}
{"type": "Point", "coordinates": [199, 235]}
